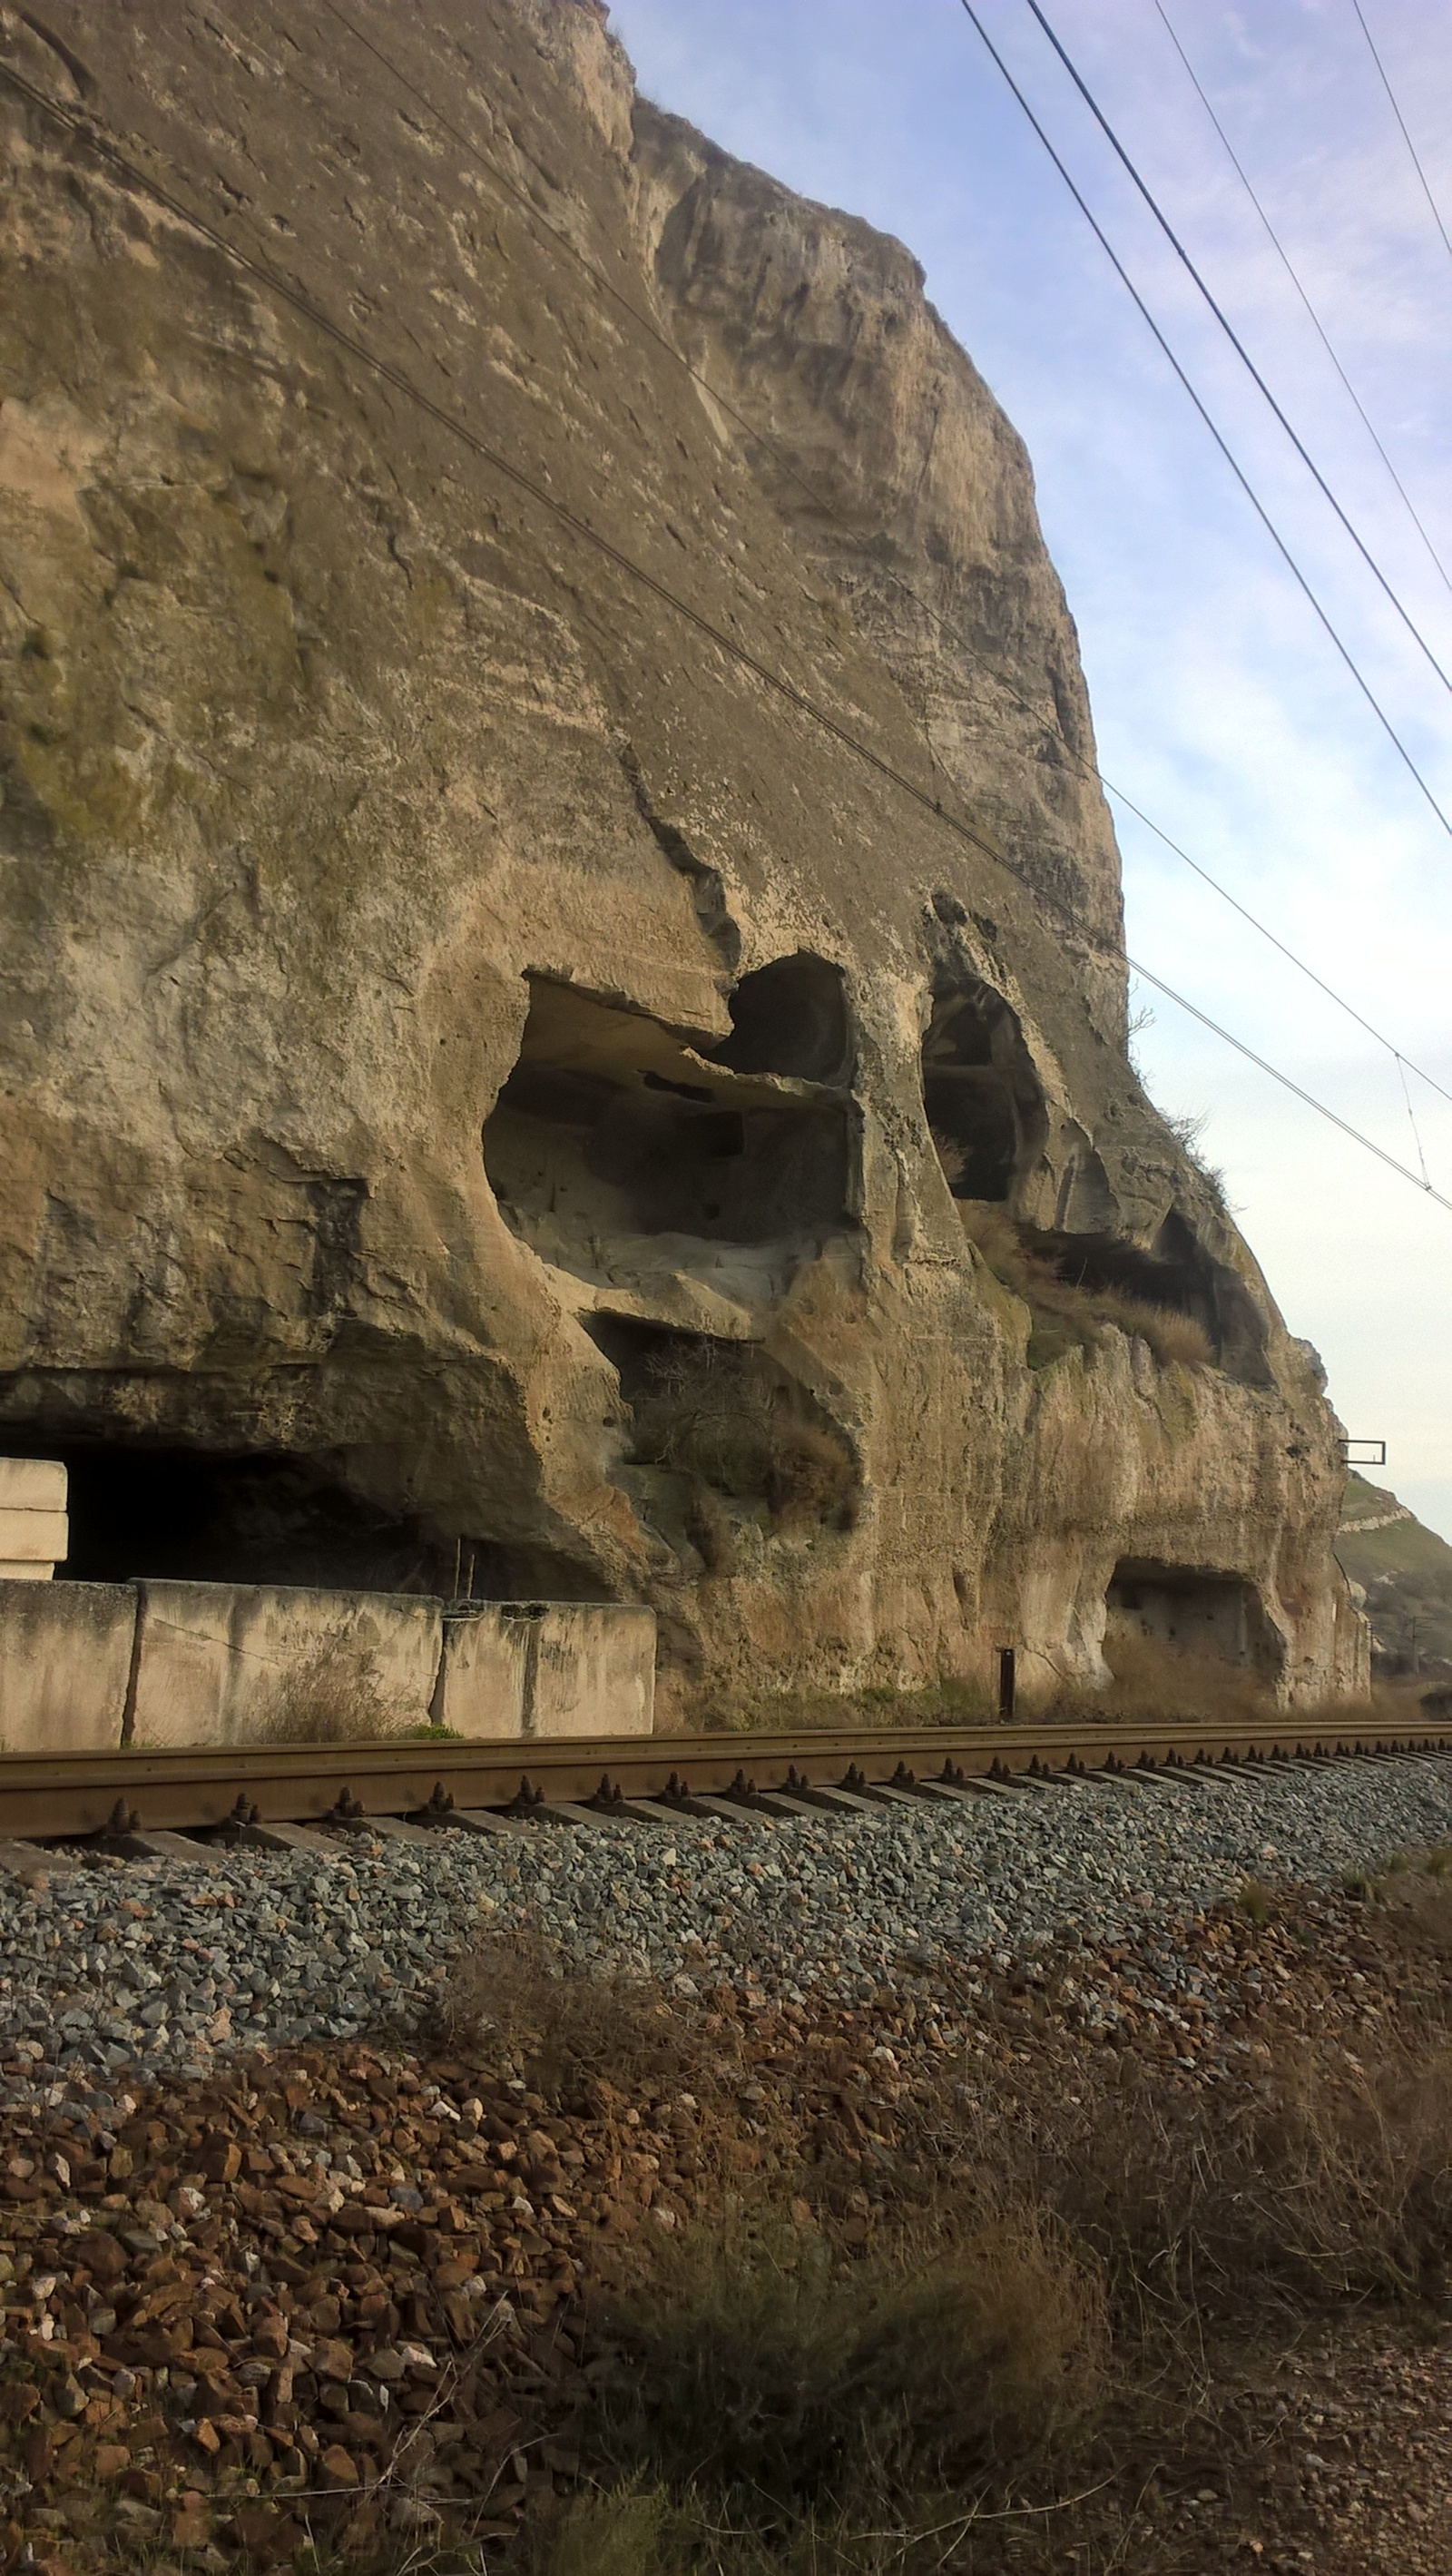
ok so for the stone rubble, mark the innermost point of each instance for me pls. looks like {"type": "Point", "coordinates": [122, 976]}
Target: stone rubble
{"type": "Point", "coordinates": [305, 2287]}
{"type": "Point", "coordinates": [135, 1967]}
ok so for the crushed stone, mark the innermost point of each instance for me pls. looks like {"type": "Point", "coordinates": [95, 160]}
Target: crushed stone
{"type": "Point", "coordinates": [139, 1967]}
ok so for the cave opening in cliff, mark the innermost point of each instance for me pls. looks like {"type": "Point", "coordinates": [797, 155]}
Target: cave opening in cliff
{"type": "Point", "coordinates": [1175, 1275]}
{"type": "Point", "coordinates": [726, 1416]}
{"type": "Point", "coordinates": [983, 1098]}
{"type": "Point", "coordinates": [1193, 1615]}
{"type": "Point", "coordinates": [791, 1017]}
{"type": "Point", "coordinates": [163, 1512]}
{"type": "Point", "coordinates": [207, 1516]}
{"type": "Point", "coordinates": [610, 1128]}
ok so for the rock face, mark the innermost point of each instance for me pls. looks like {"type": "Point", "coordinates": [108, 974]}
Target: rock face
{"type": "Point", "coordinates": [495, 1081]}
{"type": "Point", "coordinates": [1402, 1571]}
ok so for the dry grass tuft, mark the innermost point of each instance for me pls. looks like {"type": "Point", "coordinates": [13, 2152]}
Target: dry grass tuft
{"type": "Point", "coordinates": [770, 2376]}
{"type": "Point", "coordinates": [1066, 1318]}
{"type": "Point", "coordinates": [569, 2027]}
{"type": "Point", "coordinates": [1326, 2177]}
{"type": "Point", "coordinates": [715, 1415]}
{"type": "Point", "coordinates": [333, 1695]}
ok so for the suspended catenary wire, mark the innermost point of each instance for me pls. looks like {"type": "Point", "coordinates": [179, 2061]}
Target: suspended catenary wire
{"type": "Point", "coordinates": [1237, 344]}
{"type": "Point", "coordinates": [823, 502]}
{"type": "Point", "coordinates": [1284, 1079]}
{"type": "Point", "coordinates": [96, 140]}
{"type": "Point", "coordinates": [1402, 122]}
{"type": "Point", "coordinates": [1242, 478]}
{"type": "Point", "coordinates": [1292, 272]}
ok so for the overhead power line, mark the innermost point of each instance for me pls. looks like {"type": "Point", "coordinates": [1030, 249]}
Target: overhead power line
{"type": "Point", "coordinates": [1293, 274]}
{"type": "Point", "coordinates": [1242, 478]}
{"type": "Point", "coordinates": [1309, 1097]}
{"type": "Point", "coordinates": [1237, 344]}
{"type": "Point", "coordinates": [1402, 122]}
{"type": "Point", "coordinates": [90, 135]}
{"type": "Point", "coordinates": [822, 501]}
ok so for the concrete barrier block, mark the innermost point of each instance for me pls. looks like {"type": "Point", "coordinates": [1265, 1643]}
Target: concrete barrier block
{"type": "Point", "coordinates": [542, 1669]}
{"type": "Point", "coordinates": [65, 1658]}
{"type": "Point", "coordinates": [483, 1676]}
{"type": "Point", "coordinates": [233, 1663]}
{"type": "Point", "coordinates": [32, 1485]}
{"type": "Point", "coordinates": [36, 1540]}
{"type": "Point", "coordinates": [596, 1672]}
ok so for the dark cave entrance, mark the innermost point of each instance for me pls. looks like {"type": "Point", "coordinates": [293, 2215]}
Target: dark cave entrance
{"type": "Point", "coordinates": [161, 1512]}
{"type": "Point", "coordinates": [984, 1103]}
{"type": "Point", "coordinates": [1211, 1617]}
{"type": "Point", "coordinates": [214, 1516]}
{"type": "Point", "coordinates": [610, 1128]}
{"type": "Point", "coordinates": [791, 1017]}
{"type": "Point", "coordinates": [1103, 1264]}
{"type": "Point", "coordinates": [1176, 1274]}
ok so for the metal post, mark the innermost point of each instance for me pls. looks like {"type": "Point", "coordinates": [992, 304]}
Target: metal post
{"type": "Point", "coordinates": [1007, 1682]}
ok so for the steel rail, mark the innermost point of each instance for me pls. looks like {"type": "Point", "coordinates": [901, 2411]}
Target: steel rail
{"type": "Point", "coordinates": [55, 1796]}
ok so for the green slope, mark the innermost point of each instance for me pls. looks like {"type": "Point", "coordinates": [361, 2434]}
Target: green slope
{"type": "Point", "coordinates": [1405, 1571]}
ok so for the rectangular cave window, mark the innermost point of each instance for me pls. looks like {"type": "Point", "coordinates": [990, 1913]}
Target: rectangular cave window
{"type": "Point", "coordinates": [608, 1130]}
{"type": "Point", "coordinates": [1208, 1617]}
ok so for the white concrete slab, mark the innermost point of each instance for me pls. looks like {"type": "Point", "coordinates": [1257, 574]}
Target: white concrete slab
{"type": "Point", "coordinates": [32, 1485]}
{"type": "Point", "coordinates": [548, 1669]}
{"type": "Point", "coordinates": [65, 1655]}
{"type": "Point", "coordinates": [239, 1663]}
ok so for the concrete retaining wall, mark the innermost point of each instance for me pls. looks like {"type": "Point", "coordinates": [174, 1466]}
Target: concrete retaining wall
{"type": "Point", "coordinates": [85, 1667]}
{"type": "Point", "coordinates": [65, 1658]}
{"type": "Point", "coordinates": [548, 1668]}
{"type": "Point", "coordinates": [243, 1663]}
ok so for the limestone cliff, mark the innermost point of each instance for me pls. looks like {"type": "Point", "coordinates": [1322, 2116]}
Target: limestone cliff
{"type": "Point", "coordinates": [489, 1079]}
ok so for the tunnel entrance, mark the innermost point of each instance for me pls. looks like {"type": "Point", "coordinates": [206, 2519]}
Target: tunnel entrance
{"type": "Point", "coordinates": [610, 1129]}
{"type": "Point", "coordinates": [207, 1516]}
{"type": "Point", "coordinates": [982, 1096]}
{"type": "Point", "coordinates": [1217, 1618]}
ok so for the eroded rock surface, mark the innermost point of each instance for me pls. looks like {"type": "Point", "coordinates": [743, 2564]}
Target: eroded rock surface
{"type": "Point", "coordinates": [474, 1049]}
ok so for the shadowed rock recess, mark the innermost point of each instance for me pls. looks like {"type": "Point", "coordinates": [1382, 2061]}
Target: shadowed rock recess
{"type": "Point", "coordinates": [486, 1078]}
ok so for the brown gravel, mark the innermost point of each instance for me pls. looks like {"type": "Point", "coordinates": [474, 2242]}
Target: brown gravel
{"type": "Point", "coordinates": [216, 2348]}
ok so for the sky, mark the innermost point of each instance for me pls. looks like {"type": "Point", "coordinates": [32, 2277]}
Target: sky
{"type": "Point", "coordinates": [1221, 705]}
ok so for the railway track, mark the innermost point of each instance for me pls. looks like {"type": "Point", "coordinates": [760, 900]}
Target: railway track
{"type": "Point", "coordinates": [116, 1797]}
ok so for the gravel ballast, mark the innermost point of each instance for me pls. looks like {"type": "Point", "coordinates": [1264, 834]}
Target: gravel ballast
{"type": "Point", "coordinates": [139, 1967]}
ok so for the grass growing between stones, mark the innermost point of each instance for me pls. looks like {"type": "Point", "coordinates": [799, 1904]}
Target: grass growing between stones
{"type": "Point", "coordinates": [1077, 2280]}
{"type": "Point", "coordinates": [569, 2027]}
{"type": "Point", "coordinates": [1000, 2272]}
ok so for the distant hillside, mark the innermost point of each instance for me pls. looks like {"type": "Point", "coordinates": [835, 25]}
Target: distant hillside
{"type": "Point", "coordinates": [1405, 1572]}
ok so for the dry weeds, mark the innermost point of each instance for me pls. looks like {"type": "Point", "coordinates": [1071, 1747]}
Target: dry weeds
{"type": "Point", "coordinates": [566, 2026]}
{"type": "Point", "coordinates": [332, 1695]}
{"type": "Point", "coordinates": [715, 1415]}
{"type": "Point", "coordinates": [1072, 2283]}
{"type": "Point", "coordinates": [1066, 1318]}
{"type": "Point", "coordinates": [767, 2387]}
